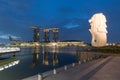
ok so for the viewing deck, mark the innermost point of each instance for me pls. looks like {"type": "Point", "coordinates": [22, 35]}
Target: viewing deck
{"type": "Point", "coordinates": [100, 69]}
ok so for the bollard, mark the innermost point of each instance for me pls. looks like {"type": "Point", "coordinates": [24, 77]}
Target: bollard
{"type": "Point", "coordinates": [65, 67]}
{"type": "Point", "coordinates": [79, 62]}
{"type": "Point", "coordinates": [39, 77]}
{"type": "Point", "coordinates": [54, 71]}
{"type": "Point", "coordinates": [73, 64]}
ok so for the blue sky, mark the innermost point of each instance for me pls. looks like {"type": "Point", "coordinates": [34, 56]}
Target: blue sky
{"type": "Point", "coordinates": [71, 16]}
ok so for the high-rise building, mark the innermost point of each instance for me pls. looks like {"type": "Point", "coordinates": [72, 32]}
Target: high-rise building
{"type": "Point", "coordinates": [46, 35]}
{"type": "Point", "coordinates": [55, 34]}
{"type": "Point", "coordinates": [36, 34]}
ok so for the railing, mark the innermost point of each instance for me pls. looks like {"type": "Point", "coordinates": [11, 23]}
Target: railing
{"type": "Point", "coordinates": [86, 56]}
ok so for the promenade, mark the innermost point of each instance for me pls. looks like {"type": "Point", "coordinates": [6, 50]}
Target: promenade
{"type": "Point", "coordinates": [110, 71]}
{"type": "Point", "coordinates": [100, 69]}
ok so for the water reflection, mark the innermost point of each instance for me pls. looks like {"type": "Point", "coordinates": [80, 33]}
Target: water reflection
{"type": "Point", "coordinates": [35, 60]}
{"type": "Point", "coordinates": [49, 56]}
{"type": "Point", "coordinates": [46, 57]}
{"type": "Point", "coordinates": [55, 59]}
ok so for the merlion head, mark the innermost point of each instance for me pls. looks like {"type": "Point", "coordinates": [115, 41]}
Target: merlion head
{"type": "Point", "coordinates": [98, 30]}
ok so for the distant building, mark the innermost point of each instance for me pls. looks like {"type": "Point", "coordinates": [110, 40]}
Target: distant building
{"type": "Point", "coordinates": [14, 40]}
{"type": "Point", "coordinates": [55, 34]}
{"type": "Point", "coordinates": [36, 34]}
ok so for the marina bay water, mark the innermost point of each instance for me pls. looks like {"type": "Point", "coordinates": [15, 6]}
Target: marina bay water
{"type": "Point", "coordinates": [34, 60]}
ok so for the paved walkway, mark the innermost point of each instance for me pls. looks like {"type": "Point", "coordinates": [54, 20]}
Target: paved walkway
{"type": "Point", "coordinates": [111, 71]}
{"type": "Point", "coordinates": [101, 69]}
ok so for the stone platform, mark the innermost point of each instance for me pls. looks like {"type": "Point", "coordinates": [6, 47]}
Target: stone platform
{"type": "Point", "coordinates": [100, 69]}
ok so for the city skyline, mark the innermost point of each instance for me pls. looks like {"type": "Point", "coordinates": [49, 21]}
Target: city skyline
{"type": "Point", "coordinates": [71, 17]}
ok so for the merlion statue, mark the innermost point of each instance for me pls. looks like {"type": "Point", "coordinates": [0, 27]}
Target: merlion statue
{"type": "Point", "coordinates": [98, 30]}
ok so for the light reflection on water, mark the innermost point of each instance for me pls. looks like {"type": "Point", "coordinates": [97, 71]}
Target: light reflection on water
{"type": "Point", "coordinates": [38, 60]}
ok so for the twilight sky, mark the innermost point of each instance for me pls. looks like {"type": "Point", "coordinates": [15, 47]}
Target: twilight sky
{"type": "Point", "coordinates": [71, 16]}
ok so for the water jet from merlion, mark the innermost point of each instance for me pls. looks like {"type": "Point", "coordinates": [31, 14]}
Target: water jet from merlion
{"type": "Point", "coordinates": [98, 30]}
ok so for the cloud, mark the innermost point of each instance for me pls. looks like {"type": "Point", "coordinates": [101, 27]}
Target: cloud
{"type": "Point", "coordinates": [6, 36]}
{"type": "Point", "coordinates": [71, 25]}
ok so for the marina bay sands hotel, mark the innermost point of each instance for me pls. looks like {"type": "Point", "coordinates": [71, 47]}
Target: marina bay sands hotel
{"type": "Point", "coordinates": [49, 36]}
{"type": "Point", "coordinates": [46, 31]}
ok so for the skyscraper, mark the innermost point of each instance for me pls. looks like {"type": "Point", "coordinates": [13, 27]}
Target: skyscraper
{"type": "Point", "coordinates": [36, 34]}
{"type": "Point", "coordinates": [55, 34]}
